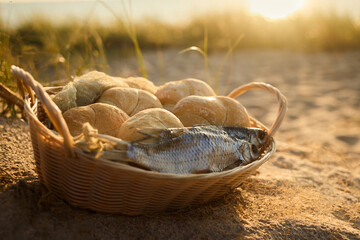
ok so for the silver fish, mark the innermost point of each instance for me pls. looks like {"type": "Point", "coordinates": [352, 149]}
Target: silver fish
{"type": "Point", "coordinates": [197, 149]}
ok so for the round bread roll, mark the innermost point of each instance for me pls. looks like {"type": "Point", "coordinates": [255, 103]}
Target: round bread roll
{"type": "Point", "coordinates": [130, 100]}
{"type": "Point", "coordinates": [91, 85]}
{"type": "Point", "coordinates": [140, 83]}
{"type": "Point", "coordinates": [104, 117]}
{"type": "Point", "coordinates": [219, 111]}
{"type": "Point", "coordinates": [155, 118]}
{"type": "Point", "coordinates": [84, 90]}
{"type": "Point", "coordinates": [172, 92]}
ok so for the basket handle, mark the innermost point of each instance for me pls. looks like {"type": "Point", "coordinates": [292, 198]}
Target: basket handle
{"type": "Point", "coordinates": [280, 98]}
{"type": "Point", "coordinates": [27, 81]}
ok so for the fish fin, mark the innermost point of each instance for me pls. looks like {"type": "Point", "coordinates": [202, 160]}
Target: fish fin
{"type": "Point", "coordinates": [208, 128]}
{"type": "Point", "coordinates": [151, 132]}
{"type": "Point", "coordinates": [151, 135]}
{"type": "Point", "coordinates": [161, 133]}
{"type": "Point", "coordinates": [137, 165]}
{"type": "Point", "coordinates": [201, 171]}
{"type": "Point", "coordinates": [175, 132]}
{"type": "Point", "coordinates": [233, 165]}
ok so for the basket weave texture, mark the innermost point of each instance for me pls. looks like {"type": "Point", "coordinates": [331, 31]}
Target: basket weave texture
{"type": "Point", "coordinates": [104, 186]}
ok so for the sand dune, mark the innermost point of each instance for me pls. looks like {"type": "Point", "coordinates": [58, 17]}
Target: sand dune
{"type": "Point", "coordinates": [310, 189]}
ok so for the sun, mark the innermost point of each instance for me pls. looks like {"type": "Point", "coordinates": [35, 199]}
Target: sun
{"type": "Point", "coordinates": [275, 9]}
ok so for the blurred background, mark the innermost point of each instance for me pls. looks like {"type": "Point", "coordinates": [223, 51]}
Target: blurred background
{"type": "Point", "coordinates": [56, 40]}
{"type": "Point", "coordinates": [308, 49]}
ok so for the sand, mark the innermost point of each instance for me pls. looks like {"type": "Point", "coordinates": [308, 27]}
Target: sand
{"type": "Point", "coordinates": [309, 189]}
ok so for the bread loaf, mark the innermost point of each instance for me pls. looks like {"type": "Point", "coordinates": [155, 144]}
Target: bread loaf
{"type": "Point", "coordinates": [85, 89]}
{"type": "Point", "coordinates": [218, 110]}
{"type": "Point", "coordinates": [156, 118]}
{"type": "Point", "coordinates": [104, 117]}
{"type": "Point", "coordinates": [66, 98]}
{"type": "Point", "coordinates": [170, 93]}
{"type": "Point", "coordinates": [130, 100]}
{"type": "Point", "coordinates": [139, 83]}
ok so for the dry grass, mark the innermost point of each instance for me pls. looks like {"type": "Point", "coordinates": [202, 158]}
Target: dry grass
{"type": "Point", "coordinates": [58, 51]}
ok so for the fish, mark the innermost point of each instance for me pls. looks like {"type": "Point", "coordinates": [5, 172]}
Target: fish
{"type": "Point", "coordinates": [193, 150]}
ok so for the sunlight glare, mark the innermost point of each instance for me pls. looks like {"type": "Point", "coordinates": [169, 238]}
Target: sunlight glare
{"type": "Point", "coordinates": [275, 9]}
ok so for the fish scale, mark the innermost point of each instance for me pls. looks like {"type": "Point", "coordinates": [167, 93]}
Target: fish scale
{"type": "Point", "coordinates": [198, 148]}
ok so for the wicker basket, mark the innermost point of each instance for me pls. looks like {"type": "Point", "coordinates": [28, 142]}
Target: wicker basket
{"type": "Point", "coordinates": [97, 184]}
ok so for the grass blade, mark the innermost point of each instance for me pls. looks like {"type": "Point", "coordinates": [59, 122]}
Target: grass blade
{"type": "Point", "coordinates": [131, 31]}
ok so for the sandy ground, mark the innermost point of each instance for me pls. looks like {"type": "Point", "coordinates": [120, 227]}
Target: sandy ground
{"type": "Point", "coordinates": [310, 189]}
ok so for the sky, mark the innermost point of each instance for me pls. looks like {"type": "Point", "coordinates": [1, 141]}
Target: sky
{"type": "Point", "coordinates": [16, 11]}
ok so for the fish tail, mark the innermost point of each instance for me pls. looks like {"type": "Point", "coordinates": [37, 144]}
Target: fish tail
{"type": "Point", "coordinates": [115, 155]}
